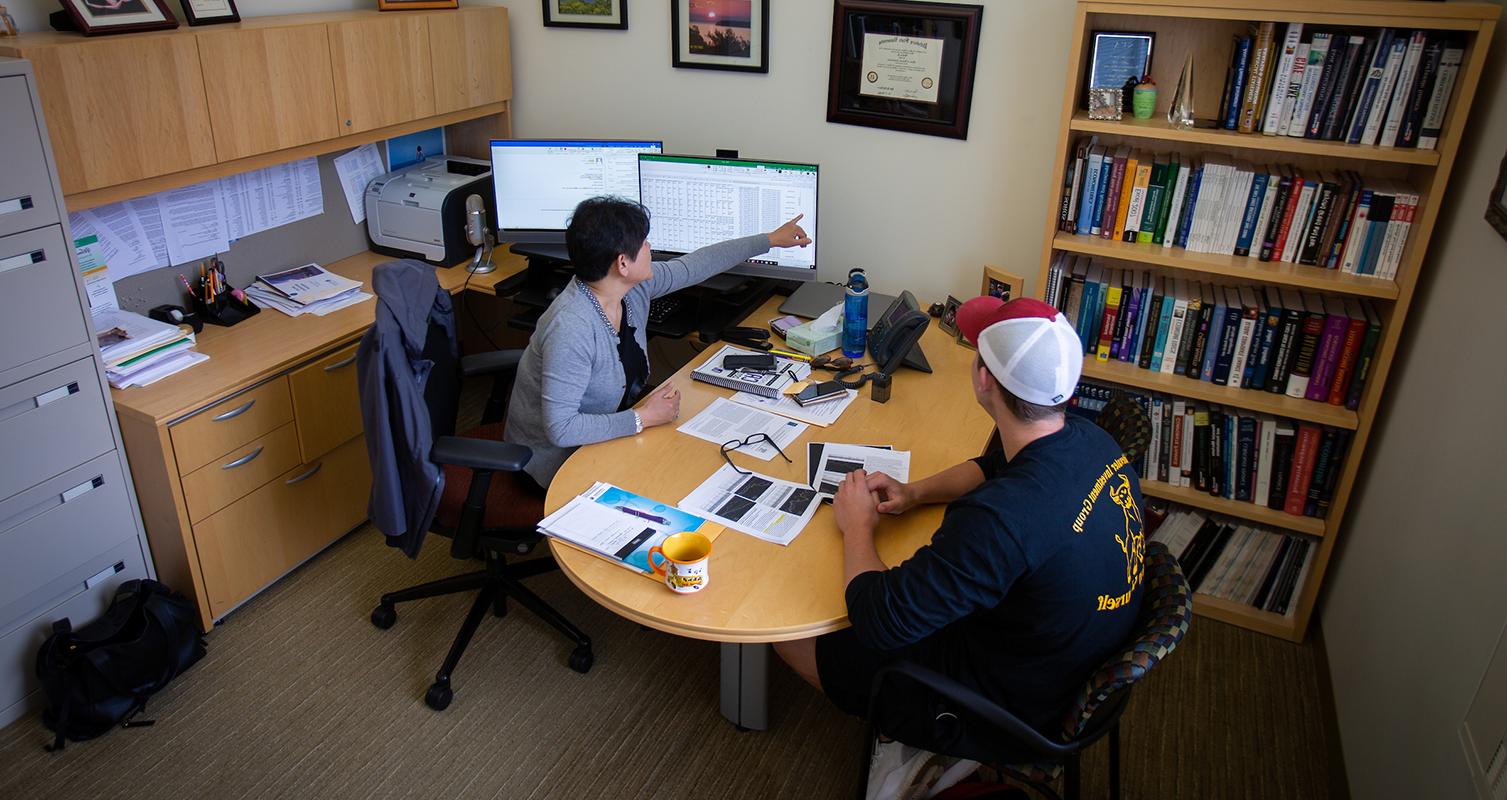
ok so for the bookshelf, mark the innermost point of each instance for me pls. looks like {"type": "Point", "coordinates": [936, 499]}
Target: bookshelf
{"type": "Point", "coordinates": [1206, 28]}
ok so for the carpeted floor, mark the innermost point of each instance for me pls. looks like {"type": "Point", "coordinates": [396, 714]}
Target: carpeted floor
{"type": "Point", "coordinates": [300, 696]}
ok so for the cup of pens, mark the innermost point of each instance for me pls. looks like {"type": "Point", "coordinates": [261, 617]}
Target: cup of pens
{"type": "Point", "coordinates": [214, 298]}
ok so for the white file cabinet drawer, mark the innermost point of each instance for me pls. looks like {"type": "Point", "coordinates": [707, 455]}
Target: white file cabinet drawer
{"type": "Point", "coordinates": [50, 528]}
{"type": "Point", "coordinates": [26, 199]}
{"type": "Point", "coordinates": [38, 301]}
{"type": "Point", "coordinates": [50, 423]}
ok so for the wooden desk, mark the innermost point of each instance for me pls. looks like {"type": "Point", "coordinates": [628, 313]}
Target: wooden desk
{"type": "Point", "coordinates": [221, 531]}
{"type": "Point", "coordinates": [762, 592]}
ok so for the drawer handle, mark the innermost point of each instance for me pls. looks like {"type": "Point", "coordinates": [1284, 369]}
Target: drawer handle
{"type": "Point", "coordinates": [341, 364]}
{"type": "Point", "coordinates": [305, 476]}
{"type": "Point", "coordinates": [243, 459]}
{"type": "Point", "coordinates": [235, 412]}
{"type": "Point", "coordinates": [37, 401]}
{"type": "Point", "coordinates": [11, 206]}
{"type": "Point", "coordinates": [100, 577]}
{"type": "Point", "coordinates": [20, 260]}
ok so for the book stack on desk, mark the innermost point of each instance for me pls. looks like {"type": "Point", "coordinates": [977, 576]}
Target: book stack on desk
{"type": "Point", "coordinates": [140, 351]}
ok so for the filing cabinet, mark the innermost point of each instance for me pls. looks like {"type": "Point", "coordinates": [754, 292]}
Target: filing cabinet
{"type": "Point", "coordinates": [70, 528]}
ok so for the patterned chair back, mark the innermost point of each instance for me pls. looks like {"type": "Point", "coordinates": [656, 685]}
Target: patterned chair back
{"type": "Point", "coordinates": [1127, 423]}
{"type": "Point", "coordinates": [1168, 608]}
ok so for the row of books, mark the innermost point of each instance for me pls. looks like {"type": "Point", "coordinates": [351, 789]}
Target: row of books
{"type": "Point", "coordinates": [1273, 462]}
{"type": "Point", "coordinates": [1283, 341]}
{"type": "Point", "coordinates": [1237, 560]}
{"type": "Point", "coordinates": [1335, 219]}
{"type": "Point", "coordinates": [1375, 87]}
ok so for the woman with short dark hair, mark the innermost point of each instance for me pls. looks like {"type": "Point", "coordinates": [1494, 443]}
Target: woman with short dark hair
{"type": "Point", "coordinates": [585, 365]}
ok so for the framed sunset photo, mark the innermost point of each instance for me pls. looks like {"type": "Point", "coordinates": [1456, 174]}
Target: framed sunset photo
{"type": "Point", "coordinates": [720, 34]}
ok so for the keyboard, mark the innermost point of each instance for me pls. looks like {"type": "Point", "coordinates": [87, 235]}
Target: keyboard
{"type": "Point", "coordinates": [662, 309]}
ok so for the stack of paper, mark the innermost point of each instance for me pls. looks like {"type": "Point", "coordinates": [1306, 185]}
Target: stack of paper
{"type": "Point", "coordinates": [309, 289]}
{"type": "Point", "coordinates": [139, 351]}
{"type": "Point", "coordinates": [620, 526]}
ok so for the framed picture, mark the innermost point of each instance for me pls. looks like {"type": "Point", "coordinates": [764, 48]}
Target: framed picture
{"type": "Point", "coordinates": [210, 12]}
{"type": "Point", "coordinates": [1496, 207]}
{"type": "Point", "coordinates": [98, 17]}
{"type": "Point", "coordinates": [1105, 103]}
{"type": "Point", "coordinates": [949, 321]}
{"type": "Point", "coordinates": [1118, 57]}
{"type": "Point", "coordinates": [415, 5]}
{"type": "Point", "coordinates": [607, 14]}
{"type": "Point", "coordinates": [1001, 284]}
{"type": "Point", "coordinates": [904, 66]}
{"type": "Point", "coordinates": [720, 34]}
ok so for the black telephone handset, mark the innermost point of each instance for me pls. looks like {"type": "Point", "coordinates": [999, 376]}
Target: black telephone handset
{"type": "Point", "coordinates": [896, 333]}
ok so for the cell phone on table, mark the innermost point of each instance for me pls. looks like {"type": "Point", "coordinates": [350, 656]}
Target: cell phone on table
{"type": "Point", "coordinates": [820, 393]}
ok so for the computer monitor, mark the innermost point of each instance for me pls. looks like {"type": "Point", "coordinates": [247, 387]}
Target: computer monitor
{"type": "Point", "coordinates": [695, 201]}
{"type": "Point", "coordinates": [537, 183]}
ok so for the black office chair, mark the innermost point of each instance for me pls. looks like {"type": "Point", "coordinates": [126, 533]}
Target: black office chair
{"type": "Point", "coordinates": [965, 724]}
{"type": "Point", "coordinates": [484, 509]}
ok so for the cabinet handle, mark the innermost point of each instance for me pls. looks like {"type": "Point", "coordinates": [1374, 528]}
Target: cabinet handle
{"type": "Point", "coordinates": [341, 364]}
{"type": "Point", "coordinates": [20, 260]}
{"type": "Point", "coordinates": [243, 459]}
{"type": "Point", "coordinates": [15, 204]}
{"type": "Point", "coordinates": [305, 476]}
{"type": "Point", "coordinates": [235, 412]}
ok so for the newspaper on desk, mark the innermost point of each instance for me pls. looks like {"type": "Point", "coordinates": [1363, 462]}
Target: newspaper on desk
{"type": "Point", "coordinates": [758, 505]}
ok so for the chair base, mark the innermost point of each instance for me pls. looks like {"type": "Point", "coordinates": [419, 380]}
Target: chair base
{"type": "Point", "coordinates": [493, 586]}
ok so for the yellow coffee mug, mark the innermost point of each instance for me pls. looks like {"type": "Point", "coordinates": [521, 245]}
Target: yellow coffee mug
{"type": "Point", "coordinates": [685, 555]}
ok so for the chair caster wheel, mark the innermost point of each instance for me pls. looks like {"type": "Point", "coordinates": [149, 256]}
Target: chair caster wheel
{"type": "Point", "coordinates": [384, 616]}
{"type": "Point", "coordinates": [439, 696]}
{"type": "Point", "coordinates": [581, 659]}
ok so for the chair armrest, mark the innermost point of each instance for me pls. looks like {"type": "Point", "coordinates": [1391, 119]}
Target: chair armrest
{"type": "Point", "coordinates": [463, 451]}
{"type": "Point", "coordinates": [963, 698]}
{"type": "Point", "coordinates": [487, 363]}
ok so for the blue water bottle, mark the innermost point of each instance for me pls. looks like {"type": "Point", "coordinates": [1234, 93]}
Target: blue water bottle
{"type": "Point", "coordinates": [855, 314]}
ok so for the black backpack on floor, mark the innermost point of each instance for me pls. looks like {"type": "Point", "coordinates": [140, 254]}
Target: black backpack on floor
{"type": "Point", "coordinates": [101, 675]}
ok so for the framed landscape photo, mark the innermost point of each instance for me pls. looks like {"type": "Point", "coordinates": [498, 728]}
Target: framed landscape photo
{"type": "Point", "coordinates": [607, 14]}
{"type": "Point", "coordinates": [210, 12]}
{"type": "Point", "coordinates": [905, 66]}
{"type": "Point", "coordinates": [97, 17]}
{"type": "Point", "coordinates": [415, 5]}
{"type": "Point", "coordinates": [720, 34]}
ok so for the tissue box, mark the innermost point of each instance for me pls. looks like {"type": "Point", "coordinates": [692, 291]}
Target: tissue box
{"type": "Point", "coordinates": [804, 339]}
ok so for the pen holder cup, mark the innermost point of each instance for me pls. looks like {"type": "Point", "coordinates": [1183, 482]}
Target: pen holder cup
{"type": "Point", "coordinates": [225, 310]}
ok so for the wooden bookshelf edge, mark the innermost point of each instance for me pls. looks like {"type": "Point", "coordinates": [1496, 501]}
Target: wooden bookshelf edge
{"type": "Point", "coordinates": [1311, 526]}
{"type": "Point", "coordinates": [1161, 130]}
{"type": "Point", "coordinates": [1247, 399]}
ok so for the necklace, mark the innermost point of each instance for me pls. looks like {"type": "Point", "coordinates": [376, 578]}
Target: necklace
{"type": "Point", "coordinates": [586, 290]}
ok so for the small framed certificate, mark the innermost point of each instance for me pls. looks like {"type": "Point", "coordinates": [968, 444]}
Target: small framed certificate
{"type": "Point", "coordinates": [905, 66]}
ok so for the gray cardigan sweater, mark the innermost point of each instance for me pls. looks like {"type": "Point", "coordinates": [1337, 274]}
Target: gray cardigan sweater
{"type": "Point", "coordinates": [570, 380]}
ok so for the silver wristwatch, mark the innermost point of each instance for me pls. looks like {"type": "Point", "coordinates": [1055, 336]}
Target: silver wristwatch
{"type": "Point", "coordinates": [638, 424]}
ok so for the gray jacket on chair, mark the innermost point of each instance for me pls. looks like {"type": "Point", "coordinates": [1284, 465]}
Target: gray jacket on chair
{"type": "Point", "coordinates": [391, 372]}
{"type": "Point", "coordinates": [570, 381]}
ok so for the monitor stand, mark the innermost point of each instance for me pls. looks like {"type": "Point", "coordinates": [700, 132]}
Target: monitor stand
{"type": "Point", "coordinates": [555, 252]}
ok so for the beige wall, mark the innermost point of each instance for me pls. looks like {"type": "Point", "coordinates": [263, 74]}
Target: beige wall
{"type": "Point", "coordinates": [919, 212]}
{"type": "Point", "coordinates": [1418, 593]}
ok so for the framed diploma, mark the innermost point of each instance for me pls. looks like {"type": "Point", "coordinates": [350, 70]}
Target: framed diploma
{"type": "Point", "coordinates": [902, 65]}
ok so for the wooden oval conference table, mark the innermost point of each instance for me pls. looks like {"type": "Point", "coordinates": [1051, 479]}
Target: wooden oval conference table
{"type": "Point", "coordinates": [759, 592]}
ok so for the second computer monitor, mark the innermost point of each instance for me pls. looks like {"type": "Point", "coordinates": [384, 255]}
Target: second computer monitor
{"type": "Point", "coordinates": [695, 201]}
{"type": "Point", "coordinates": [538, 182]}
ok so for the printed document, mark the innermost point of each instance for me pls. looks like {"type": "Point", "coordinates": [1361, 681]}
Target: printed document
{"type": "Point", "coordinates": [356, 169]}
{"type": "Point", "coordinates": [620, 525]}
{"type": "Point", "coordinates": [193, 218]}
{"type": "Point", "coordinates": [758, 505]}
{"type": "Point", "coordinates": [837, 460]}
{"type": "Point", "coordinates": [725, 421]}
{"type": "Point", "coordinates": [820, 414]}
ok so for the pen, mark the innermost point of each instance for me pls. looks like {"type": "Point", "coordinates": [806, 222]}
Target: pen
{"type": "Point", "coordinates": [788, 354]}
{"type": "Point", "coordinates": [643, 515]}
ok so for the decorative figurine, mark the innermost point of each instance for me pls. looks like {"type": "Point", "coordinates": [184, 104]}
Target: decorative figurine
{"type": "Point", "coordinates": [1180, 110]}
{"type": "Point", "coordinates": [1143, 102]}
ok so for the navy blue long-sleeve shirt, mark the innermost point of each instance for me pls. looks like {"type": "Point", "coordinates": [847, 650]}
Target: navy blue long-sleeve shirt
{"type": "Point", "coordinates": [1031, 581]}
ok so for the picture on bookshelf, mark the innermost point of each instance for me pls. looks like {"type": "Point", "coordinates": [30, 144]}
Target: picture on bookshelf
{"type": "Point", "coordinates": [1496, 206]}
{"type": "Point", "coordinates": [1118, 57]}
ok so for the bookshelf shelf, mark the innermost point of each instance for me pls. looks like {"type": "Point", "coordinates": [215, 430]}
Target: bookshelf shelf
{"type": "Point", "coordinates": [1207, 32]}
{"type": "Point", "coordinates": [1252, 400]}
{"type": "Point", "coordinates": [1243, 615]}
{"type": "Point", "coordinates": [1159, 129]}
{"type": "Point", "coordinates": [1238, 267]}
{"type": "Point", "coordinates": [1312, 526]}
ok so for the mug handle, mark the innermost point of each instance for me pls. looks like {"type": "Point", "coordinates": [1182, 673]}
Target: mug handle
{"type": "Point", "coordinates": [657, 569]}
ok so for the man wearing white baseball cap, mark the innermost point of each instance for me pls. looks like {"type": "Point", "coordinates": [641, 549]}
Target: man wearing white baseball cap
{"type": "Point", "coordinates": [1031, 581]}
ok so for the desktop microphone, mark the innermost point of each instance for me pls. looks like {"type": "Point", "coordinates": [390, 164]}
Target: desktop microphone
{"type": "Point", "coordinates": [477, 234]}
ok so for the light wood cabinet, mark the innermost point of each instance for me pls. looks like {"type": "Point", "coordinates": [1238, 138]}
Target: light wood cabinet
{"type": "Point", "coordinates": [326, 402]}
{"type": "Point", "coordinates": [120, 111]}
{"type": "Point", "coordinates": [471, 55]}
{"type": "Point", "coordinates": [383, 73]}
{"type": "Point", "coordinates": [268, 88]}
{"type": "Point", "coordinates": [133, 115]}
